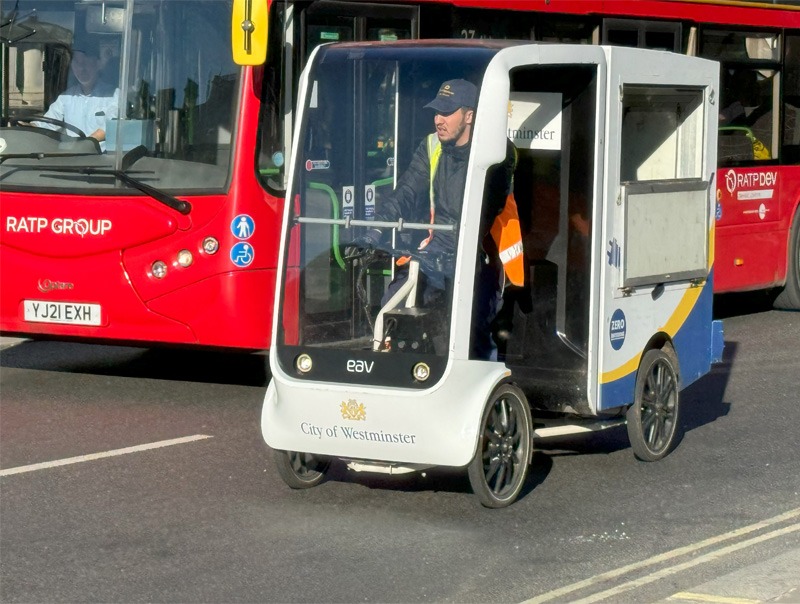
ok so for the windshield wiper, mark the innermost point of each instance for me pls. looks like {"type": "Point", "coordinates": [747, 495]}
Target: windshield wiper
{"type": "Point", "coordinates": [180, 205]}
{"type": "Point", "coordinates": [131, 157]}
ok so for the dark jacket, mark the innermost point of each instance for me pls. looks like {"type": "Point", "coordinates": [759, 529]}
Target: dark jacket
{"type": "Point", "coordinates": [411, 198]}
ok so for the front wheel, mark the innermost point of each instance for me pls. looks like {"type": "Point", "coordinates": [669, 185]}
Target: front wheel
{"type": "Point", "coordinates": [653, 418]}
{"type": "Point", "coordinates": [789, 298]}
{"type": "Point", "coordinates": [498, 471]}
{"type": "Point", "coordinates": [301, 470]}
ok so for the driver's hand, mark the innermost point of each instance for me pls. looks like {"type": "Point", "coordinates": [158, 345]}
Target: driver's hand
{"type": "Point", "coordinates": [99, 135]}
{"type": "Point", "coordinates": [363, 244]}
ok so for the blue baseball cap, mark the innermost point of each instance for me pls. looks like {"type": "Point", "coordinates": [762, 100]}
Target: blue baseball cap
{"type": "Point", "coordinates": [454, 94]}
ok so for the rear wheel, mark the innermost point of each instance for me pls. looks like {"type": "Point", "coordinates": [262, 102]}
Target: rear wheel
{"type": "Point", "coordinates": [301, 470]}
{"type": "Point", "coordinates": [789, 298]}
{"type": "Point", "coordinates": [653, 418]}
{"type": "Point", "coordinates": [498, 471]}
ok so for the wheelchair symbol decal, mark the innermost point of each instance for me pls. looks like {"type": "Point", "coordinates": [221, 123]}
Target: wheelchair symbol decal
{"type": "Point", "coordinates": [242, 254]}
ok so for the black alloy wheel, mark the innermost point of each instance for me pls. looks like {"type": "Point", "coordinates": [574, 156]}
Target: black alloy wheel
{"type": "Point", "coordinates": [653, 419]}
{"type": "Point", "coordinates": [301, 470]}
{"type": "Point", "coordinates": [499, 469]}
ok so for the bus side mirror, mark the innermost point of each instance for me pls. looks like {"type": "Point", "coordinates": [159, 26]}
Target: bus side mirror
{"type": "Point", "coordinates": [249, 23]}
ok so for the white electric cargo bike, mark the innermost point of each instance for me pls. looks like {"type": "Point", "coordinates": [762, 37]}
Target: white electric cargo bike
{"type": "Point", "coordinates": [616, 156]}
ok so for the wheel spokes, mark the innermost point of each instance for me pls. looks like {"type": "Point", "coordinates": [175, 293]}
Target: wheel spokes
{"type": "Point", "coordinates": [494, 470]}
{"type": "Point", "coordinates": [304, 465]}
{"type": "Point", "coordinates": [503, 447]}
{"type": "Point", "coordinates": [501, 477]}
{"type": "Point", "coordinates": [658, 406]}
{"type": "Point", "coordinates": [492, 436]}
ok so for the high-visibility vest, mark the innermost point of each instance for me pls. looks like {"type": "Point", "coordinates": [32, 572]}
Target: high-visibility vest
{"type": "Point", "coordinates": [505, 231]}
{"type": "Point", "coordinates": [760, 150]}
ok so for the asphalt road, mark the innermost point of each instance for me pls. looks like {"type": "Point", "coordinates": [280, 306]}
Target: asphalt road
{"type": "Point", "coordinates": [202, 516]}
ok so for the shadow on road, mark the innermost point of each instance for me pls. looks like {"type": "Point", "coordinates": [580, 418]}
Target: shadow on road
{"type": "Point", "coordinates": [445, 480]}
{"type": "Point", "coordinates": [157, 363]}
{"type": "Point", "coordinates": [744, 303]}
{"type": "Point", "coordinates": [702, 402]}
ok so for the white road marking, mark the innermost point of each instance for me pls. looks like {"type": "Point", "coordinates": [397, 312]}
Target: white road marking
{"type": "Point", "coordinates": [689, 596]}
{"type": "Point", "coordinates": [93, 456]}
{"type": "Point", "coordinates": [6, 342]}
{"type": "Point", "coordinates": [671, 570]}
{"type": "Point", "coordinates": [681, 551]}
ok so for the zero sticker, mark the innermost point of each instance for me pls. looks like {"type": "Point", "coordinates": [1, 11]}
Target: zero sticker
{"type": "Point", "coordinates": [617, 329]}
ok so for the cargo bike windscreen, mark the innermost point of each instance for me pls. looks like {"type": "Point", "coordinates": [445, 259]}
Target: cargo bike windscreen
{"type": "Point", "coordinates": [363, 119]}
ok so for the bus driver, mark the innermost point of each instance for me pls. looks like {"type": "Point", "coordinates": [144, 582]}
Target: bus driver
{"type": "Point", "coordinates": [88, 103]}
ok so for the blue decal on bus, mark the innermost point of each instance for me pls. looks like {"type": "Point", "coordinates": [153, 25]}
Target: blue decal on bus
{"type": "Point", "coordinates": [616, 330]}
{"type": "Point", "coordinates": [243, 226]}
{"type": "Point", "coordinates": [242, 254]}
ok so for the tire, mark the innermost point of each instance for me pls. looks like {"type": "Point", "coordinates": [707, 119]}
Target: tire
{"type": "Point", "coordinates": [654, 417]}
{"type": "Point", "coordinates": [789, 298]}
{"type": "Point", "coordinates": [499, 469]}
{"type": "Point", "coordinates": [301, 470]}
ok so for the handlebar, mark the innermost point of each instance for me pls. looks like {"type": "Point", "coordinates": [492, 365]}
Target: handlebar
{"type": "Point", "coordinates": [436, 260]}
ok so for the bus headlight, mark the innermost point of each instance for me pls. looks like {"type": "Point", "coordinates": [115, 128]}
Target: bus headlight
{"type": "Point", "coordinates": [159, 269]}
{"type": "Point", "coordinates": [185, 258]}
{"type": "Point", "coordinates": [210, 245]}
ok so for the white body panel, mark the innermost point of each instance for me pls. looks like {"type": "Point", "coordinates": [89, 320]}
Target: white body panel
{"type": "Point", "coordinates": [437, 426]}
{"type": "Point", "coordinates": [646, 314]}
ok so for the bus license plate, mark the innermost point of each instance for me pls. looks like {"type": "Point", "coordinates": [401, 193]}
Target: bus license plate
{"type": "Point", "coordinates": [39, 311]}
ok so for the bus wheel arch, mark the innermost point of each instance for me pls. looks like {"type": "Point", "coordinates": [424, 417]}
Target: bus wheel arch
{"type": "Point", "coordinates": [653, 420]}
{"type": "Point", "coordinates": [789, 297]}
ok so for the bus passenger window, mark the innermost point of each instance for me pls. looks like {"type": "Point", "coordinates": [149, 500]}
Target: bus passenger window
{"type": "Point", "coordinates": [388, 30]}
{"type": "Point", "coordinates": [791, 95]}
{"type": "Point", "coordinates": [567, 30]}
{"type": "Point", "coordinates": [657, 35]}
{"type": "Point", "coordinates": [746, 116]}
{"type": "Point", "coordinates": [749, 84]}
{"type": "Point", "coordinates": [334, 29]}
{"type": "Point", "coordinates": [621, 37]}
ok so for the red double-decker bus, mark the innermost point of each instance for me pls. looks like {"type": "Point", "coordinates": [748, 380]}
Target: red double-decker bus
{"type": "Point", "coordinates": [155, 217]}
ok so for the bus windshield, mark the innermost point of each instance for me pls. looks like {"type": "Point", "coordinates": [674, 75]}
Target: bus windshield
{"type": "Point", "coordinates": [88, 82]}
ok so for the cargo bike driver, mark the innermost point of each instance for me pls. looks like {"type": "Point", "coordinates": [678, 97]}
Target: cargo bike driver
{"type": "Point", "coordinates": [433, 187]}
{"type": "Point", "coordinates": [394, 382]}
